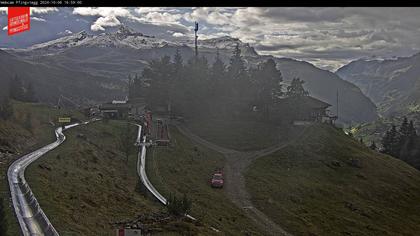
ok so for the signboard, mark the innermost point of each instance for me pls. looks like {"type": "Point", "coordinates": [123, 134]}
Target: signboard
{"type": "Point", "coordinates": [64, 119]}
{"type": "Point", "coordinates": [18, 20]}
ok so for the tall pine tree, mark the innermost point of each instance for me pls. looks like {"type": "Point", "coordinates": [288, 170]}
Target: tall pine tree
{"type": "Point", "coordinates": [391, 142]}
{"type": "Point", "coordinates": [268, 79]}
{"type": "Point", "coordinates": [237, 69]}
{"type": "Point", "coordinates": [295, 89]}
{"type": "Point", "coordinates": [217, 76]}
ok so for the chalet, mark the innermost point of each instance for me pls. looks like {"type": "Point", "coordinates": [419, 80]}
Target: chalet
{"type": "Point", "coordinates": [123, 109]}
{"type": "Point", "coordinates": [115, 110]}
{"type": "Point", "coordinates": [304, 110]}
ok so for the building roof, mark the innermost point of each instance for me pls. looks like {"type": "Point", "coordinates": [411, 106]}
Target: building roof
{"type": "Point", "coordinates": [305, 101]}
{"type": "Point", "coordinates": [119, 102]}
{"type": "Point", "coordinates": [110, 106]}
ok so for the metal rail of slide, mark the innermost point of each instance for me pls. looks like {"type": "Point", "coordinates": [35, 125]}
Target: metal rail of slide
{"type": "Point", "coordinates": [31, 217]}
{"type": "Point", "coordinates": [141, 168]}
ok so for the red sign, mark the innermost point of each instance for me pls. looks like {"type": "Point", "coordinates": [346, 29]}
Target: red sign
{"type": "Point", "coordinates": [18, 20]}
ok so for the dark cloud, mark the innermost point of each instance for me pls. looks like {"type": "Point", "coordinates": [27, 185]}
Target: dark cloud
{"type": "Point", "coordinates": [276, 47]}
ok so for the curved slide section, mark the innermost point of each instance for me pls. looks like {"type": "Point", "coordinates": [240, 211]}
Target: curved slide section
{"type": "Point", "coordinates": [31, 217]}
{"type": "Point", "coordinates": [141, 168]}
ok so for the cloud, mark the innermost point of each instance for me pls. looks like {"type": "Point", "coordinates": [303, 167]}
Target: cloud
{"type": "Point", "coordinates": [107, 16]}
{"type": "Point", "coordinates": [325, 36]}
{"type": "Point", "coordinates": [65, 32]}
{"type": "Point", "coordinates": [102, 11]}
{"type": "Point", "coordinates": [328, 37]}
{"type": "Point", "coordinates": [105, 21]}
{"type": "Point", "coordinates": [177, 34]}
{"type": "Point", "coordinates": [167, 18]}
{"type": "Point", "coordinates": [156, 17]}
{"type": "Point", "coordinates": [38, 19]}
{"type": "Point", "coordinates": [141, 10]}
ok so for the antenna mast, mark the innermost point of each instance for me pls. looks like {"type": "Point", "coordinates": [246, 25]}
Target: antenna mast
{"type": "Point", "coordinates": [337, 104]}
{"type": "Point", "coordinates": [196, 37]}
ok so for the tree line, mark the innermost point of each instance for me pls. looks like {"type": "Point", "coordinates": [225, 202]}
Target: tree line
{"type": "Point", "coordinates": [402, 142]}
{"type": "Point", "coordinates": [200, 87]}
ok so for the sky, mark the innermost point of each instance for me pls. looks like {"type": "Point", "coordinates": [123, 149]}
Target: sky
{"type": "Point", "coordinates": [326, 37]}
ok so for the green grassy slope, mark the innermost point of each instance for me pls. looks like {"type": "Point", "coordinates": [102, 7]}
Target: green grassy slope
{"type": "Point", "coordinates": [236, 134]}
{"type": "Point", "coordinates": [187, 168]}
{"type": "Point", "coordinates": [86, 184]}
{"type": "Point", "coordinates": [18, 138]}
{"type": "Point", "coordinates": [312, 188]}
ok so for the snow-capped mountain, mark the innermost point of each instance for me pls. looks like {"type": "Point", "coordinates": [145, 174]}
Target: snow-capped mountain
{"type": "Point", "coordinates": [124, 37]}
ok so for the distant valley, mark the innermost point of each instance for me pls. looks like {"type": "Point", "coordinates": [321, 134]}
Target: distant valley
{"type": "Point", "coordinates": [393, 84]}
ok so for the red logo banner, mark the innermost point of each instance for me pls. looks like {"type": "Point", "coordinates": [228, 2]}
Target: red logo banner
{"type": "Point", "coordinates": [18, 20]}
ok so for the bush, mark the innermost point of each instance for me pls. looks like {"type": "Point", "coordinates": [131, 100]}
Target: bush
{"type": "Point", "coordinates": [177, 206]}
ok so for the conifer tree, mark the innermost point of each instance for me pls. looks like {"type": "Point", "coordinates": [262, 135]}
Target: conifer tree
{"type": "Point", "coordinates": [236, 67]}
{"type": "Point", "coordinates": [411, 129]}
{"type": "Point", "coordinates": [218, 68]}
{"type": "Point", "coordinates": [178, 62]}
{"type": "Point", "coordinates": [217, 74]}
{"type": "Point", "coordinates": [296, 88]}
{"type": "Point", "coordinates": [404, 128]}
{"type": "Point", "coordinates": [268, 79]}
{"type": "Point", "coordinates": [391, 142]}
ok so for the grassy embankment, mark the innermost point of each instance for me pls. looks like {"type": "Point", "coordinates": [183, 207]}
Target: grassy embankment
{"type": "Point", "coordinates": [27, 130]}
{"type": "Point", "coordinates": [313, 188]}
{"type": "Point", "coordinates": [186, 168]}
{"type": "Point", "coordinates": [86, 183]}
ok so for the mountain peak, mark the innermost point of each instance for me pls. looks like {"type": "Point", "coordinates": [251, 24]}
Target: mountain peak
{"type": "Point", "coordinates": [123, 29]}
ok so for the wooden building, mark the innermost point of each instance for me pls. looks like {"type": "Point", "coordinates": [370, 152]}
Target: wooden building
{"type": "Point", "coordinates": [115, 110]}
{"type": "Point", "coordinates": [303, 110]}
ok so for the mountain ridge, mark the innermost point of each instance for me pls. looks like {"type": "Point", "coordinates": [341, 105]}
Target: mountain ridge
{"type": "Point", "coordinates": [392, 84]}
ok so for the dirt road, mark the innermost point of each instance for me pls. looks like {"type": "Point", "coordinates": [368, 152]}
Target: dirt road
{"type": "Point", "coordinates": [236, 164]}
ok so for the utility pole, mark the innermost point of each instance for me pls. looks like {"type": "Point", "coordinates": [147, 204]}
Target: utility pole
{"type": "Point", "coordinates": [196, 37]}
